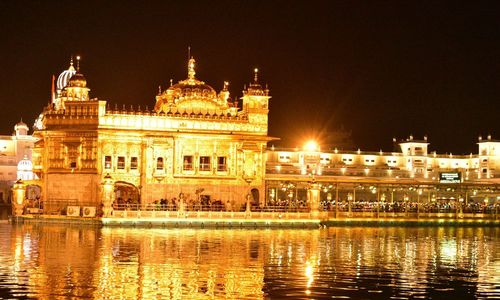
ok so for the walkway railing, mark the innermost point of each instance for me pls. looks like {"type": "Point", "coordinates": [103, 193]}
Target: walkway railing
{"type": "Point", "coordinates": [213, 208]}
{"type": "Point", "coordinates": [218, 211]}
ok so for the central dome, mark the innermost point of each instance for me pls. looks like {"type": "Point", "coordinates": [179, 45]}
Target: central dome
{"type": "Point", "coordinates": [192, 96]}
{"type": "Point", "coordinates": [191, 87]}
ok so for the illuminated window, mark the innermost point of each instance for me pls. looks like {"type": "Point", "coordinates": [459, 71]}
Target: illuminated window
{"type": "Point", "coordinates": [121, 162]}
{"type": "Point", "coordinates": [159, 163]}
{"type": "Point", "coordinates": [187, 163]}
{"type": "Point", "coordinates": [284, 157]}
{"type": "Point", "coordinates": [133, 163]}
{"type": "Point", "coordinates": [107, 162]}
{"type": "Point", "coordinates": [204, 163]}
{"type": "Point", "coordinates": [221, 164]}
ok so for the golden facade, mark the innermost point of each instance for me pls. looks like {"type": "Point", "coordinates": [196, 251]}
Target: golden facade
{"type": "Point", "coordinates": [195, 142]}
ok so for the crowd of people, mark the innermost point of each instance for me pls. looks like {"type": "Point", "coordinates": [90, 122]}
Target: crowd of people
{"type": "Point", "coordinates": [173, 204]}
{"type": "Point", "coordinates": [208, 204]}
{"type": "Point", "coordinates": [410, 206]}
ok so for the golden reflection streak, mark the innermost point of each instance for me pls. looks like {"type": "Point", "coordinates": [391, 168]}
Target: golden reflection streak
{"type": "Point", "coordinates": [127, 263]}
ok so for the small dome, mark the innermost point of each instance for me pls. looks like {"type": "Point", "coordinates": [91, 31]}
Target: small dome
{"type": "Point", "coordinates": [20, 125]}
{"type": "Point", "coordinates": [254, 88]}
{"type": "Point", "coordinates": [25, 165]}
{"type": "Point", "coordinates": [77, 80]}
{"type": "Point", "coordinates": [64, 77]}
{"type": "Point", "coordinates": [21, 128]}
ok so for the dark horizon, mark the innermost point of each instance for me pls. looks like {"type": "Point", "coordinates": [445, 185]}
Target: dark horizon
{"type": "Point", "coordinates": [381, 70]}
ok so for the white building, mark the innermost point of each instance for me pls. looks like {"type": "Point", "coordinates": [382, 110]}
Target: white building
{"type": "Point", "coordinates": [410, 173]}
{"type": "Point", "coordinates": [14, 149]}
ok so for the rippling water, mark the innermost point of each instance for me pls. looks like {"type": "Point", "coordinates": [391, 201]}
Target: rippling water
{"type": "Point", "coordinates": [66, 262]}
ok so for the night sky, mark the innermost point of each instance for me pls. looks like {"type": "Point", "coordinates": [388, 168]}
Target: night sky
{"type": "Point", "coordinates": [380, 69]}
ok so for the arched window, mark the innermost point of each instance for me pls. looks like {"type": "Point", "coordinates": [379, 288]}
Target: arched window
{"type": "Point", "coordinates": [159, 163]}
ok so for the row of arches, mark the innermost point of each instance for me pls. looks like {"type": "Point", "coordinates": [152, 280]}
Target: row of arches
{"type": "Point", "coordinates": [126, 192]}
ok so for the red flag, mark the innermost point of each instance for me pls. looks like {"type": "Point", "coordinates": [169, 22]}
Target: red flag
{"type": "Point", "coordinates": [53, 92]}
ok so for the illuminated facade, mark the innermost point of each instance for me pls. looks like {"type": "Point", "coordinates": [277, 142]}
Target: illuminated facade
{"type": "Point", "coordinates": [15, 156]}
{"type": "Point", "coordinates": [196, 142]}
{"type": "Point", "coordinates": [409, 175]}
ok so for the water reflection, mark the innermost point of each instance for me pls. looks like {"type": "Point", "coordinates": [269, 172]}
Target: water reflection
{"type": "Point", "coordinates": [359, 263]}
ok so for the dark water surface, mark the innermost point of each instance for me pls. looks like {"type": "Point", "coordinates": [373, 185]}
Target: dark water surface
{"type": "Point", "coordinates": [68, 262]}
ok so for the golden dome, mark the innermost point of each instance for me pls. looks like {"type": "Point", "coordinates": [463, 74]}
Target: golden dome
{"type": "Point", "coordinates": [191, 87]}
{"type": "Point", "coordinates": [191, 94]}
{"type": "Point", "coordinates": [77, 80]}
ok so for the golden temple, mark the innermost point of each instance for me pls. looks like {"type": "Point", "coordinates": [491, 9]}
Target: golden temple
{"type": "Point", "coordinates": [195, 140]}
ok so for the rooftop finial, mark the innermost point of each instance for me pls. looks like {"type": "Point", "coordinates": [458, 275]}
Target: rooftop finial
{"type": "Point", "coordinates": [191, 71]}
{"type": "Point", "coordinates": [256, 76]}
{"type": "Point", "coordinates": [71, 61]}
{"type": "Point", "coordinates": [77, 63]}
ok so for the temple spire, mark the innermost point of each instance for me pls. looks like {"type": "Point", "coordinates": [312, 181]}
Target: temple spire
{"type": "Point", "coordinates": [256, 75]}
{"type": "Point", "coordinates": [191, 71]}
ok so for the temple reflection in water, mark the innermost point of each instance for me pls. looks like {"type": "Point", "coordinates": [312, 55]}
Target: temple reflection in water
{"type": "Point", "coordinates": [143, 264]}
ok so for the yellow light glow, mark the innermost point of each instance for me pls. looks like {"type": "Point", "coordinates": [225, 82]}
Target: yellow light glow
{"type": "Point", "coordinates": [311, 145]}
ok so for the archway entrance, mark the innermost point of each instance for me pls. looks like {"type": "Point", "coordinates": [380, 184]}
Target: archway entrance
{"type": "Point", "coordinates": [34, 196]}
{"type": "Point", "coordinates": [255, 197]}
{"type": "Point", "coordinates": [126, 195]}
{"type": "Point", "coordinates": [33, 192]}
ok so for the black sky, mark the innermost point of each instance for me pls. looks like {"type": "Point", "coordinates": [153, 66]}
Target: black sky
{"type": "Point", "coordinates": [382, 69]}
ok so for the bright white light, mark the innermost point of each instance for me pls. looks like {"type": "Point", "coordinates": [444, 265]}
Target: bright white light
{"type": "Point", "coordinates": [311, 145]}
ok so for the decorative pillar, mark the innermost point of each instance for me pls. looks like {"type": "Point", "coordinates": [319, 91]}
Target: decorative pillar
{"type": "Point", "coordinates": [180, 209]}
{"type": "Point", "coordinates": [337, 201]}
{"type": "Point", "coordinates": [419, 192]}
{"type": "Point", "coordinates": [353, 196]}
{"type": "Point", "coordinates": [107, 196]}
{"type": "Point", "coordinates": [19, 193]}
{"type": "Point", "coordinates": [349, 199]}
{"type": "Point", "coordinates": [313, 197]}
{"type": "Point", "coordinates": [248, 197]}
{"type": "Point", "coordinates": [460, 203]}
{"type": "Point", "coordinates": [378, 202]}
{"type": "Point", "coordinates": [496, 208]}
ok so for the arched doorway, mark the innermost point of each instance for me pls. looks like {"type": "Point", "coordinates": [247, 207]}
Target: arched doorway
{"type": "Point", "coordinates": [33, 192]}
{"type": "Point", "coordinates": [126, 195]}
{"type": "Point", "coordinates": [255, 197]}
{"type": "Point", "coordinates": [34, 196]}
